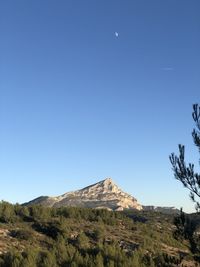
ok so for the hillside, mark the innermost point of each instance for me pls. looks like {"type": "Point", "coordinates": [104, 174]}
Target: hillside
{"type": "Point", "coordinates": [50, 237]}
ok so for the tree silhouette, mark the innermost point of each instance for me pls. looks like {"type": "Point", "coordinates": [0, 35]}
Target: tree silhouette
{"type": "Point", "coordinates": [185, 172]}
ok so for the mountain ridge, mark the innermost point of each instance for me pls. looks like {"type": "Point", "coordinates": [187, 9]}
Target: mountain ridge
{"type": "Point", "coordinates": [103, 194]}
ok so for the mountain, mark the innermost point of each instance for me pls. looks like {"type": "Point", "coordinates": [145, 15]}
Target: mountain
{"type": "Point", "coordinates": [104, 194]}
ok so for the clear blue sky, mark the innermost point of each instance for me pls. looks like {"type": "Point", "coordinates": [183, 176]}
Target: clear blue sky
{"type": "Point", "coordinates": [78, 103]}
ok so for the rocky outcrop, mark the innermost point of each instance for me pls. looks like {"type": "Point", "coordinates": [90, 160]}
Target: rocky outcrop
{"type": "Point", "coordinates": [166, 210]}
{"type": "Point", "coordinates": [104, 194]}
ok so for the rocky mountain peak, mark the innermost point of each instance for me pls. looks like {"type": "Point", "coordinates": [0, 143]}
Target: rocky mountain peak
{"type": "Point", "coordinates": [104, 194]}
{"type": "Point", "coordinates": [108, 184]}
{"type": "Point", "coordinates": [108, 181]}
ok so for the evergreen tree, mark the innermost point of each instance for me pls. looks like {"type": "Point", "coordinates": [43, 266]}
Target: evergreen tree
{"type": "Point", "coordinates": [186, 173]}
{"type": "Point", "coordinates": [99, 233]}
{"type": "Point", "coordinates": [99, 260]}
{"type": "Point", "coordinates": [82, 241]}
{"type": "Point", "coordinates": [7, 213]}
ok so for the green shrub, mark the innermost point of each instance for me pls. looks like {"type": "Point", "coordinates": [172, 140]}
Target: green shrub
{"type": "Point", "coordinates": [22, 234]}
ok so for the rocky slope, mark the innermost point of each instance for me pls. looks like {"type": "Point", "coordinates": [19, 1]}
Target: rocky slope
{"type": "Point", "coordinates": [104, 194]}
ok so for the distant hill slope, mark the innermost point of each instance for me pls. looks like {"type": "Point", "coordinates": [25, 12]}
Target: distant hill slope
{"type": "Point", "coordinates": [104, 194]}
{"type": "Point", "coordinates": [166, 210]}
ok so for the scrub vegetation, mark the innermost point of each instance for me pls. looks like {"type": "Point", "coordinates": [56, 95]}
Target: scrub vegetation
{"type": "Point", "coordinates": [68, 236]}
